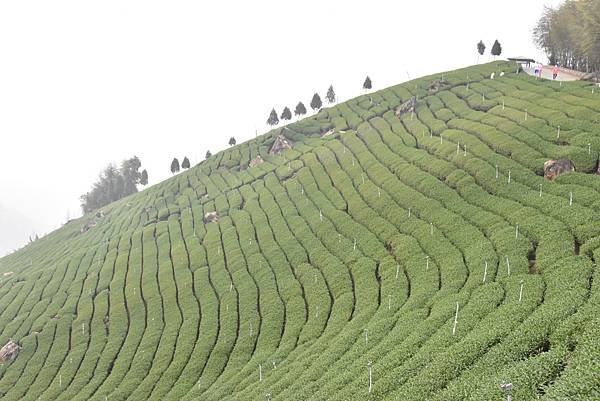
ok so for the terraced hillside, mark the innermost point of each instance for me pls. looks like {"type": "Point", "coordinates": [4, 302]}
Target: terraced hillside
{"type": "Point", "coordinates": [425, 247]}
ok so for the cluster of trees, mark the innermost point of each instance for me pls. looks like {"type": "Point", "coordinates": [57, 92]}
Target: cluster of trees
{"type": "Point", "coordinates": [569, 34]}
{"type": "Point", "coordinates": [185, 164]}
{"type": "Point", "coordinates": [316, 103]}
{"type": "Point", "coordinates": [114, 183]}
{"type": "Point", "coordinates": [496, 48]}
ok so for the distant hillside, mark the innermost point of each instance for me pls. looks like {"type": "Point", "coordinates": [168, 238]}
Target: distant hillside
{"type": "Point", "coordinates": [403, 245]}
{"type": "Point", "coordinates": [14, 230]}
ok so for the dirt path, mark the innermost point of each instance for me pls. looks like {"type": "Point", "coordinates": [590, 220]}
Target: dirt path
{"type": "Point", "coordinates": [547, 74]}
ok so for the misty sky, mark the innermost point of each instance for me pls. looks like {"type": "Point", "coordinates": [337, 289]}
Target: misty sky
{"type": "Point", "coordinates": [84, 83]}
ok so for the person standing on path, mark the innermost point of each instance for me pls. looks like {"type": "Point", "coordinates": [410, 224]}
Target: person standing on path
{"type": "Point", "coordinates": [554, 72]}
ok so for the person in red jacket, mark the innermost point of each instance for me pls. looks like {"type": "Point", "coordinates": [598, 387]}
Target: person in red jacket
{"type": "Point", "coordinates": [554, 72]}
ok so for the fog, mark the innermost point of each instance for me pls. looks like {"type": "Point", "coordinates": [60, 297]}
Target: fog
{"type": "Point", "coordinates": [84, 84]}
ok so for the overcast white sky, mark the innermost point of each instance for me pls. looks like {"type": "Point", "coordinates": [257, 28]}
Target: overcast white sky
{"type": "Point", "coordinates": [86, 83]}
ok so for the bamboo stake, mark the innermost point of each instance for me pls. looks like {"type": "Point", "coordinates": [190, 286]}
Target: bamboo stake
{"type": "Point", "coordinates": [370, 367]}
{"type": "Point", "coordinates": [485, 271]}
{"type": "Point", "coordinates": [521, 292]}
{"type": "Point", "coordinates": [455, 319]}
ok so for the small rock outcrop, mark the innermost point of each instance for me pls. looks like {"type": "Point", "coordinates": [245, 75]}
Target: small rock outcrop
{"type": "Point", "coordinates": [554, 168]}
{"type": "Point", "coordinates": [211, 217]}
{"type": "Point", "coordinates": [328, 133]}
{"type": "Point", "coordinates": [407, 107]}
{"type": "Point", "coordinates": [436, 86]}
{"type": "Point", "coordinates": [90, 224]}
{"type": "Point", "coordinates": [9, 352]}
{"type": "Point", "coordinates": [256, 161]}
{"type": "Point", "coordinates": [281, 143]}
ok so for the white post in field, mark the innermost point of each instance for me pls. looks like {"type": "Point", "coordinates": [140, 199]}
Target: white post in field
{"type": "Point", "coordinates": [455, 319]}
{"type": "Point", "coordinates": [427, 262]}
{"type": "Point", "coordinates": [496, 171]}
{"type": "Point", "coordinates": [485, 271]}
{"type": "Point", "coordinates": [389, 302]}
{"type": "Point", "coordinates": [366, 336]}
{"type": "Point", "coordinates": [507, 265]}
{"type": "Point", "coordinates": [540, 190]}
{"type": "Point", "coordinates": [509, 176]}
{"type": "Point", "coordinates": [517, 231]}
{"type": "Point", "coordinates": [558, 132]}
{"type": "Point", "coordinates": [431, 228]}
{"type": "Point", "coordinates": [521, 292]}
{"type": "Point", "coordinates": [362, 176]}
{"type": "Point", "coordinates": [370, 367]}
{"type": "Point", "coordinates": [321, 215]}
{"type": "Point", "coordinates": [570, 198]}
{"type": "Point", "coordinates": [354, 246]}
{"type": "Point", "coordinates": [525, 114]}
{"type": "Point", "coordinates": [457, 147]}
{"type": "Point", "coordinates": [408, 212]}
{"type": "Point", "coordinates": [397, 270]}
{"type": "Point", "coordinates": [259, 372]}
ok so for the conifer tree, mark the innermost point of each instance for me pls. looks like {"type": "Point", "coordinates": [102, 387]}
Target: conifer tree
{"type": "Point", "coordinates": [480, 49]}
{"type": "Point", "coordinates": [273, 119]}
{"type": "Point", "coordinates": [185, 163]}
{"type": "Point", "coordinates": [232, 141]}
{"type": "Point", "coordinates": [174, 166]}
{"type": "Point", "coordinates": [300, 109]}
{"type": "Point", "coordinates": [330, 94]}
{"type": "Point", "coordinates": [286, 114]}
{"type": "Point", "coordinates": [208, 154]}
{"type": "Point", "coordinates": [144, 178]}
{"type": "Point", "coordinates": [316, 102]}
{"type": "Point", "coordinates": [368, 84]}
{"type": "Point", "coordinates": [496, 49]}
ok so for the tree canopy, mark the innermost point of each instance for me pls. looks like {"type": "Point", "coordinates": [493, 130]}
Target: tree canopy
{"type": "Point", "coordinates": [208, 154]}
{"type": "Point", "coordinates": [330, 94]}
{"type": "Point", "coordinates": [367, 84]}
{"type": "Point", "coordinates": [113, 184]}
{"type": "Point", "coordinates": [286, 114]}
{"type": "Point", "coordinates": [273, 119]}
{"type": "Point", "coordinates": [569, 34]}
{"type": "Point", "coordinates": [480, 48]}
{"type": "Point", "coordinates": [316, 102]}
{"type": "Point", "coordinates": [175, 166]}
{"type": "Point", "coordinates": [185, 163]}
{"type": "Point", "coordinates": [496, 48]}
{"type": "Point", "coordinates": [144, 178]}
{"type": "Point", "coordinates": [300, 109]}
{"type": "Point", "coordinates": [232, 141]}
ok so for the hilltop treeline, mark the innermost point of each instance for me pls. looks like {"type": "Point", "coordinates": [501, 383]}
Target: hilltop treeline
{"type": "Point", "coordinates": [114, 183]}
{"type": "Point", "coordinates": [569, 34]}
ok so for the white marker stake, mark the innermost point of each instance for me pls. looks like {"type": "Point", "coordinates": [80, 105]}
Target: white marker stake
{"type": "Point", "coordinates": [540, 190]}
{"type": "Point", "coordinates": [441, 139]}
{"type": "Point", "coordinates": [455, 319]}
{"type": "Point", "coordinates": [589, 148]}
{"type": "Point", "coordinates": [503, 104]}
{"type": "Point", "coordinates": [427, 262]}
{"type": "Point", "coordinates": [317, 312]}
{"type": "Point", "coordinates": [389, 302]}
{"type": "Point", "coordinates": [366, 336]}
{"type": "Point", "coordinates": [509, 176]}
{"type": "Point", "coordinates": [339, 238]}
{"type": "Point", "coordinates": [397, 270]}
{"type": "Point", "coordinates": [496, 171]}
{"type": "Point", "coordinates": [60, 380]}
{"type": "Point", "coordinates": [521, 292]}
{"type": "Point", "coordinates": [354, 246]}
{"type": "Point", "coordinates": [558, 132]}
{"type": "Point", "coordinates": [408, 212]}
{"type": "Point", "coordinates": [378, 193]}
{"type": "Point", "coordinates": [570, 198]}
{"type": "Point", "coordinates": [431, 228]}
{"type": "Point", "coordinates": [353, 161]}
{"type": "Point", "coordinates": [321, 215]}
{"type": "Point", "coordinates": [230, 286]}
{"type": "Point", "coordinates": [525, 114]}
{"type": "Point", "coordinates": [83, 328]}
{"type": "Point", "coordinates": [485, 271]}
{"type": "Point", "coordinates": [483, 97]}
{"type": "Point", "coordinates": [259, 372]}
{"type": "Point", "coordinates": [516, 231]}
{"type": "Point", "coordinates": [457, 147]}
{"type": "Point", "coordinates": [370, 367]}
{"type": "Point", "coordinates": [507, 266]}
{"type": "Point", "coordinates": [362, 176]}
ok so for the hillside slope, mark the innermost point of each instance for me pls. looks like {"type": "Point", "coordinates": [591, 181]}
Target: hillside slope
{"type": "Point", "coordinates": [427, 246]}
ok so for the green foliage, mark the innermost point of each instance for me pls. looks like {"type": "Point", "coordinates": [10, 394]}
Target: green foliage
{"type": "Point", "coordinates": [175, 166]}
{"type": "Point", "coordinates": [300, 109]}
{"type": "Point", "coordinates": [480, 47]}
{"type": "Point", "coordinates": [349, 248]}
{"type": "Point", "coordinates": [316, 102]}
{"type": "Point", "coordinates": [272, 120]}
{"type": "Point", "coordinates": [113, 184]}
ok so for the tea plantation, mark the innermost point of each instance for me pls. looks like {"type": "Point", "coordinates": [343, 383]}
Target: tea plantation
{"type": "Point", "coordinates": [415, 252]}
